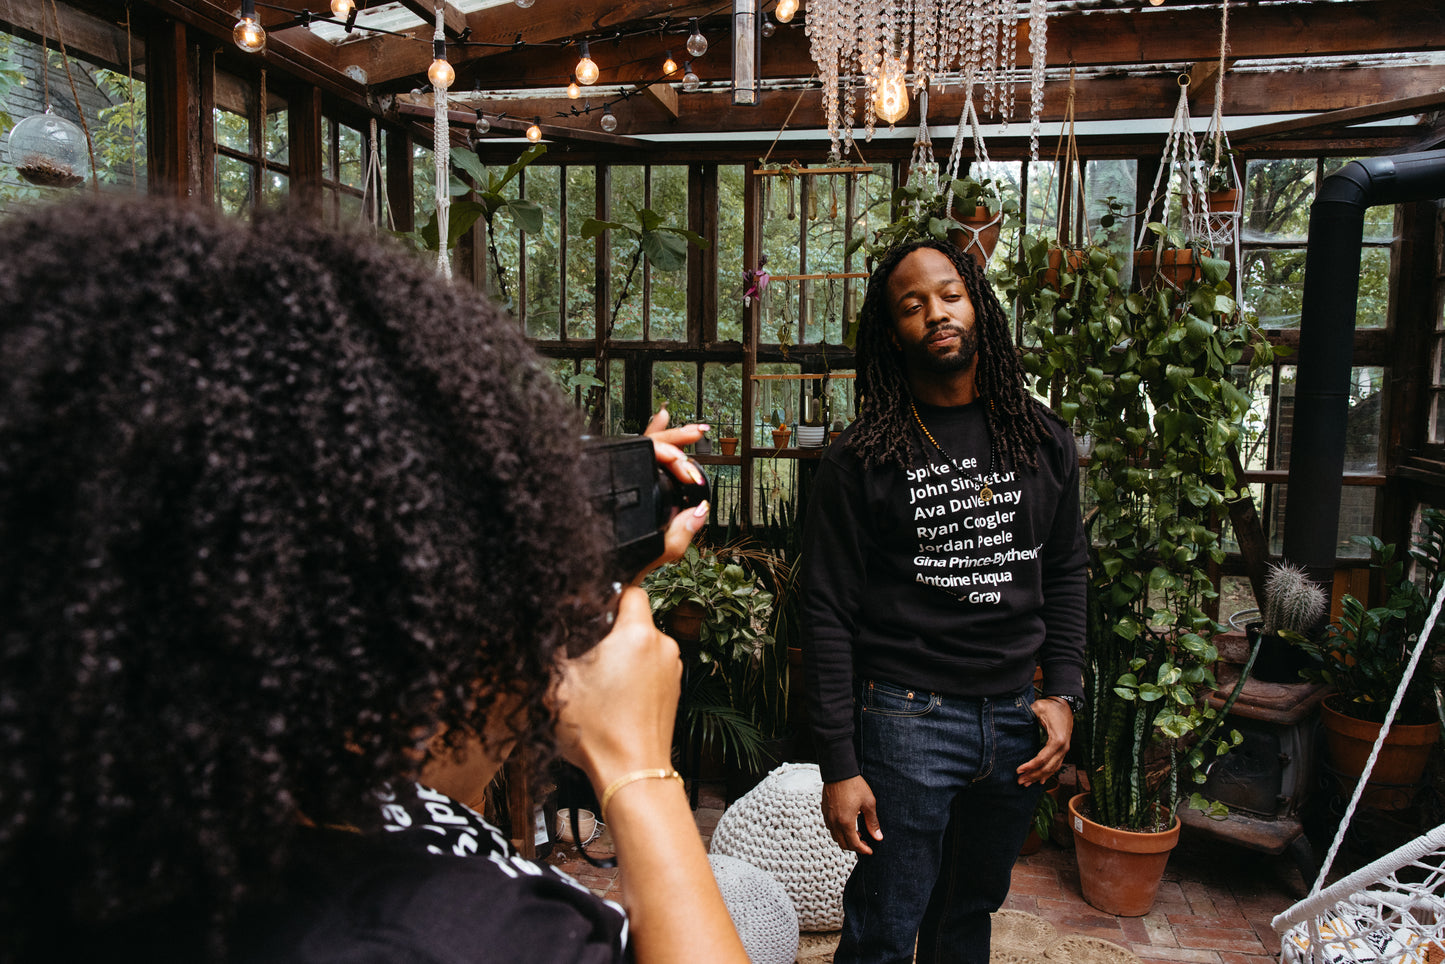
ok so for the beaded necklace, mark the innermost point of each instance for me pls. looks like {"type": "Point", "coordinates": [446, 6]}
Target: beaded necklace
{"type": "Point", "coordinates": [985, 494]}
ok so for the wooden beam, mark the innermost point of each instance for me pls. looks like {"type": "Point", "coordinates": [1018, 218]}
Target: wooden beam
{"type": "Point", "coordinates": [169, 96]}
{"type": "Point", "coordinates": [102, 43]}
{"type": "Point", "coordinates": [664, 96]}
{"type": "Point", "coordinates": [464, 119]}
{"type": "Point", "coordinates": [1403, 107]}
{"type": "Point", "coordinates": [454, 22]}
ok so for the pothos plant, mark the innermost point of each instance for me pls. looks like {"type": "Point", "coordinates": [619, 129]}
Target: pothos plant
{"type": "Point", "coordinates": [922, 210]}
{"type": "Point", "coordinates": [1150, 377]}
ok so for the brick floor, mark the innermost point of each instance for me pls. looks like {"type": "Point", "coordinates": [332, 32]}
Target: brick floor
{"type": "Point", "coordinates": [1214, 903]}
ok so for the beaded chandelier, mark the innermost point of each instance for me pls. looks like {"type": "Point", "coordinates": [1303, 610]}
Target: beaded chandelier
{"type": "Point", "coordinates": [868, 48]}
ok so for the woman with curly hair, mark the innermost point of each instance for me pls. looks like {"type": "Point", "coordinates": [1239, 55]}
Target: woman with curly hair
{"type": "Point", "coordinates": [291, 558]}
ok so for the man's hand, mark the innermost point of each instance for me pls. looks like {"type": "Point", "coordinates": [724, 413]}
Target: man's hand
{"type": "Point", "coordinates": [843, 801]}
{"type": "Point", "coordinates": [1058, 722]}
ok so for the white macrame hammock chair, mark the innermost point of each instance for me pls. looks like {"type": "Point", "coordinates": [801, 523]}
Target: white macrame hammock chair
{"type": "Point", "coordinates": [1390, 911]}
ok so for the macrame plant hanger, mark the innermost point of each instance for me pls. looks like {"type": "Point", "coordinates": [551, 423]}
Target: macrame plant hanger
{"type": "Point", "coordinates": [441, 152]}
{"type": "Point", "coordinates": [968, 127]}
{"type": "Point", "coordinates": [1181, 158]}
{"type": "Point", "coordinates": [373, 186]}
{"type": "Point", "coordinates": [1071, 182]}
{"type": "Point", "coordinates": [1219, 230]}
{"type": "Point", "coordinates": [1391, 910]}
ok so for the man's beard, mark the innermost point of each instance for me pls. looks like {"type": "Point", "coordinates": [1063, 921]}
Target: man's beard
{"type": "Point", "coordinates": [948, 364]}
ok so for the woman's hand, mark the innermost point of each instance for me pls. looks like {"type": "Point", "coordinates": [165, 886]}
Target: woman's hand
{"type": "Point", "coordinates": [617, 702]}
{"type": "Point", "coordinates": [667, 449]}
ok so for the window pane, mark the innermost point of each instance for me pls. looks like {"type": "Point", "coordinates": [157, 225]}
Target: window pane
{"type": "Point", "coordinates": [120, 140]}
{"type": "Point", "coordinates": [1437, 417]}
{"type": "Point", "coordinates": [667, 308]}
{"type": "Point", "coordinates": [1112, 179]}
{"type": "Point", "coordinates": [1273, 285]}
{"type": "Point", "coordinates": [722, 398]}
{"type": "Point", "coordinates": [352, 157]}
{"type": "Point", "coordinates": [616, 424]}
{"type": "Point", "coordinates": [234, 184]}
{"type": "Point", "coordinates": [232, 129]}
{"type": "Point", "coordinates": [277, 147]}
{"type": "Point", "coordinates": [1277, 198]}
{"type": "Point", "coordinates": [544, 270]}
{"type": "Point", "coordinates": [1372, 305]}
{"type": "Point", "coordinates": [730, 210]}
{"type": "Point", "coordinates": [674, 384]}
{"type": "Point", "coordinates": [581, 284]}
{"type": "Point", "coordinates": [504, 273]}
{"type": "Point", "coordinates": [1357, 518]}
{"type": "Point", "coordinates": [774, 401]}
{"type": "Point", "coordinates": [1363, 421]}
{"type": "Point", "coordinates": [627, 299]}
{"type": "Point", "coordinates": [274, 188]}
{"type": "Point", "coordinates": [1254, 440]}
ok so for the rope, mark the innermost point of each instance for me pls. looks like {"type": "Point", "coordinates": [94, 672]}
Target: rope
{"type": "Point", "coordinates": [832, 157]}
{"type": "Point", "coordinates": [1180, 141]}
{"type": "Point", "coordinates": [1415, 655]}
{"type": "Point", "coordinates": [1072, 170]}
{"type": "Point", "coordinates": [1216, 120]}
{"type": "Point", "coordinates": [441, 154]}
{"type": "Point", "coordinates": [79, 110]}
{"type": "Point", "coordinates": [968, 116]}
{"type": "Point", "coordinates": [372, 185]}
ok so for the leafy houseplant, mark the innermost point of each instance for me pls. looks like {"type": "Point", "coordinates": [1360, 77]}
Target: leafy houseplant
{"type": "Point", "coordinates": [925, 211]}
{"type": "Point", "coordinates": [735, 679]}
{"type": "Point", "coordinates": [1149, 378]}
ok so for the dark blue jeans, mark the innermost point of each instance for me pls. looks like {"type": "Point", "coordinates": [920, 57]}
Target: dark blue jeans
{"type": "Point", "coordinates": [953, 816]}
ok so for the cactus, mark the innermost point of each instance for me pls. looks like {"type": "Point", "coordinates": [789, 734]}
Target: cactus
{"type": "Point", "coordinates": [1292, 600]}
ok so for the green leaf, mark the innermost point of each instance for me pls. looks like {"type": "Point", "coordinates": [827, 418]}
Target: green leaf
{"type": "Point", "coordinates": [665, 251]}
{"type": "Point", "coordinates": [527, 214]}
{"type": "Point", "coordinates": [592, 227]}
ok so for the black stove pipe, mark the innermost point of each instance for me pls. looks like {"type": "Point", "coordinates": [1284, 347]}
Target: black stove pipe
{"type": "Point", "coordinates": [1327, 327]}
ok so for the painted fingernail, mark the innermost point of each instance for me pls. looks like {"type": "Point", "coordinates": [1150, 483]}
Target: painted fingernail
{"type": "Point", "coordinates": [701, 510]}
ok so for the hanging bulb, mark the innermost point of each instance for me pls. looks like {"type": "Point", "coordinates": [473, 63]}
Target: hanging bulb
{"type": "Point", "coordinates": [609, 120]}
{"type": "Point", "coordinates": [586, 71]}
{"type": "Point", "coordinates": [696, 42]}
{"type": "Point", "coordinates": [785, 10]}
{"type": "Point", "coordinates": [248, 33]}
{"type": "Point", "coordinates": [573, 91]}
{"type": "Point", "coordinates": [689, 79]}
{"type": "Point", "coordinates": [440, 73]}
{"type": "Point", "coordinates": [669, 66]}
{"type": "Point", "coordinates": [1155, 3]}
{"type": "Point", "coordinates": [483, 125]}
{"type": "Point", "coordinates": [768, 28]}
{"type": "Point", "coordinates": [524, 4]}
{"type": "Point", "coordinates": [890, 100]}
{"type": "Point", "coordinates": [534, 133]}
{"type": "Point", "coordinates": [342, 8]}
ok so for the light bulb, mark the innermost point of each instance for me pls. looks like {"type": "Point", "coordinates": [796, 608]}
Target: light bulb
{"type": "Point", "coordinates": [248, 33]}
{"type": "Point", "coordinates": [586, 71]}
{"type": "Point", "coordinates": [342, 8]}
{"type": "Point", "coordinates": [890, 100]}
{"type": "Point", "coordinates": [768, 28]}
{"type": "Point", "coordinates": [440, 73]}
{"type": "Point", "coordinates": [785, 9]}
{"type": "Point", "coordinates": [669, 66]}
{"type": "Point", "coordinates": [534, 133]}
{"type": "Point", "coordinates": [573, 91]}
{"type": "Point", "coordinates": [609, 120]}
{"type": "Point", "coordinates": [1155, 3]}
{"type": "Point", "coordinates": [696, 42]}
{"type": "Point", "coordinates": [483, 125]}
{"type": "Point", "coordinates": [524, 4]}
{"type": "Point", "coordinates": [689, 79]}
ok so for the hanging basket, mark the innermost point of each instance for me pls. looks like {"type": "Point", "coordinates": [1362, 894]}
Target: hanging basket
{"type": "Point", "coordinates": [979, 234]}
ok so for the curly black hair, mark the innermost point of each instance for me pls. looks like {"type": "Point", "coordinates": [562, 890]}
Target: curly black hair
{"type": "Point", "coordinates": [887, 432]}
{"type": "Point", "coordinates": [277, 506]}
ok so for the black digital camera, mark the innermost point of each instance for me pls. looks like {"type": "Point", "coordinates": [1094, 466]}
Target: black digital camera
{"type": "Point", "coordinates": [640, 497]}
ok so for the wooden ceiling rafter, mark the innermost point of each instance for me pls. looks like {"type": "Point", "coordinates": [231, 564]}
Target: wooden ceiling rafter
{"type": "Point", "coordinates": [454, 22]}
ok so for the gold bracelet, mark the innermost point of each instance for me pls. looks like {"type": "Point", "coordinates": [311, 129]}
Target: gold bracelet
{"type": "Point", "coordinates": [659, 773]}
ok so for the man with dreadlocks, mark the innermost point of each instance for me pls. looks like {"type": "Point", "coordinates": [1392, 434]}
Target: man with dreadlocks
{"type": "Point", "coordinates": [943, 562]}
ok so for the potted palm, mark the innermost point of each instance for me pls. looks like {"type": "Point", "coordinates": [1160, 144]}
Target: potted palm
{"type": "Point", "coordinates": [1364, 656]}
{"type": "Point", "coordinates": [1149, 378]}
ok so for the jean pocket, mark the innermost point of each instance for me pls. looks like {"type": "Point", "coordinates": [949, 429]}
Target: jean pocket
{"type": "Point", "coordinates": [886, 699]}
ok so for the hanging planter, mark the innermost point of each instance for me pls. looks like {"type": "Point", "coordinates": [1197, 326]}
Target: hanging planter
{"type": "Point", "coordinates": [1177, 266]}
{"type": "Point", "coordinates": [979, 234]}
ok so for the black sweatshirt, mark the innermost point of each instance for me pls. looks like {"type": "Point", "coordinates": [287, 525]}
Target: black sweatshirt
{"type": "Point", "coordinates": [912, 578]}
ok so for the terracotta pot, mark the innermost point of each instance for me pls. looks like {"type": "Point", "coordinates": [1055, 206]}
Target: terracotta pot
{"type": "Point", "coordinates": [1222, 202]}
{"type": "Point", "coordinates": [1400, 767]}
{"type": "Point", "coordinates": [982, 239]}
{"type": "Point", "coordinates": [1119, 870]}
{"type": "Point", "coordinates": [1056, 260]}
{"type": "Point", "coordinates": [728, 445]}
{"type": "Point", "coordinates": [684, 623]}
{"type": "Point", "coordinates": [780, 437]}
{"type": "Point", "coordinates": [1176, 265]}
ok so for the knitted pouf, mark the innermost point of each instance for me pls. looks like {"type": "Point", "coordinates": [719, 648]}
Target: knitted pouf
{"type": "Point", "coordinates": [778, 826]}
{"type": "Point", "coordinates": [760, 908]}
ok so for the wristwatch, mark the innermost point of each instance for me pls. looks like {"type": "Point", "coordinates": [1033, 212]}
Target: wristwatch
{"type": "Point", "coordinates": [1074, 703]}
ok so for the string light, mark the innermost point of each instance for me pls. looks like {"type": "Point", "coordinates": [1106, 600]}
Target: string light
{"type": "Point", "coordinates": [342, 8]}
{"type": "Point", "coordinates": [890, 100]}
{"type": "Point", "coordinates": [767, 28]}
{"type": "Point", "coordinates": [785, 10]}
{"type": "Point", "coordinates": [248, 33]}
{"type": "Point", "coordinates": [689, 79]}
{"type": "Point", "coordinates": [573, 90]}
{"type": "Point", "coordinates": [696, 42]}
{"type": "Point", "coordinates": [669, 66]}
{"type": "Point", "coordinates": [524, 4]}
{"type": "Point", "coordinates": [440, 73]}
{"type": "Point", "coordinates": [609, 120]}
{"type": "Point", "coordinates": [483, 125]}
{"type": "Point", "coordinates": [1155, 3]}
{"type": "Point", "coordinates": [586, 72]}
{"type": "Point", "coordinates": [534, 133]}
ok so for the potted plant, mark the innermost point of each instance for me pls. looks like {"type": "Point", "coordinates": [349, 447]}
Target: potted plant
{"type": "Point", "coordinates": [1294, 606]}
{"type": "Point", "coordinates": [1221, 181]}
{"type": "Point", "coordinates": [965, 211]}
{"type": "Point", "coordinates": [731, 672]}
{"type": "Point", "coordinates": [781, 430]}
{"type": "Point", "coordinates": [1150, 379]}
{"type": "Point", "coordinates": [1171, 258]}
{"type": "Point", "coordinates": [1364, 656]}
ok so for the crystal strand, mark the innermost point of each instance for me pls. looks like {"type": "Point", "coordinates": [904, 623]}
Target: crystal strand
{"type": "Point", "coordinates": [1006, 15]}
{"type": "Point", "coordinates": [1038, 43]}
